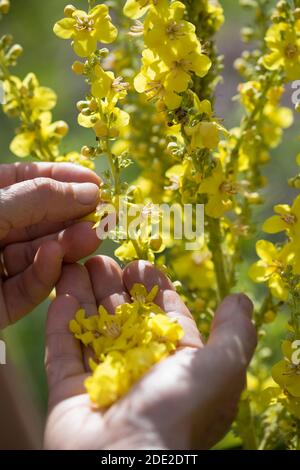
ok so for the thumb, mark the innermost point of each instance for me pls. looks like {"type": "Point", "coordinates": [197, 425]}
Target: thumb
{"type": "Point", "coordinates": [222, 366]}
{"type": "Point", "coordinates": [199, 389]}
{"type": "Point", "coordinates": [232, 333]}
{"type": "Point", "coordinates": [30, 202]}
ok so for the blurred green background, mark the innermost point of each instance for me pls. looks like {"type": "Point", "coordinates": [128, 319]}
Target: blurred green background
{"type": "Point", "coordinates": [31, 23]}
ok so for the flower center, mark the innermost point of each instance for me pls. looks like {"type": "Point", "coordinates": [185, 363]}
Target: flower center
{"type": "Point", "coordinates": [113, 330]}
{"type": "Point", "coordinates": [173, 30]}
{"type": "Point", "coordinates": [228, 188]}
{"type": "Point", "coordinates": [289, 219]}
{"type": "Point", "coordinates": [182, 64]}
{"type": "Point", "coordinates": [291, 51]}
{"type": "Point", "coordinates": [277, 265]}
{"type": "Point", "coordinates": [175, 183]}
{"type": "Point", "coordinates": [292, 369]}
{"type": "Point", "coordinates": [155, 89]}
{"type": "Point", "coordinates": [118, 85]}
{"type": "Point", "coordinates": [84, 24]}
{"type": "Point", "coordinates": [137, 29]}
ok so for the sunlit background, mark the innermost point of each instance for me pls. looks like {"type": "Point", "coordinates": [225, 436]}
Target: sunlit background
{"type": "Point", "coordinates": [31, 23]}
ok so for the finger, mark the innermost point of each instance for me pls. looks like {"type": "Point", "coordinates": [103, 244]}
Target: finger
{"type": "Point", "coordinates": [232, 330]}
{"type": "Point", "coordinates": [31, 232]}
{"type": "Point", "coordinates": [63, 359]}
{"type": "Point", "coordinates": [224, 363]}
{"type": "Point", "coordinates": [23, 292]}
{"type": "Point", "coordinates": [44, 199]}
{"type": "Point", "coordinates": [143, 272]}
{"type": "Point", "coordinates": [75, 282]}
{"type": "Point", "coordinates": [15, 173]}
{"type": "Point", "coordinates": [77, 242]}
{"type": "Point", "coordinates": [107, 281]}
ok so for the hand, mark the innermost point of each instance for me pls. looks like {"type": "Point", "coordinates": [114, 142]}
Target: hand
{"type": "Point", "coordinates": [187, 401]}
{"type": "Point", "coordinates": [39, 204]}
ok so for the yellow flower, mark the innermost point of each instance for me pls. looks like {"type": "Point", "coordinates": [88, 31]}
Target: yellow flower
{"type": "Point", "coordinates": [109, 382]}
{"type": "Point", "coordinates": [293, 405]}
{"type": "Point", "coordinates": [43, 132]}
{"type": "Point", "coordinates": [126, 252]}
{"type": "Point", "coordinates": [195, 268]}
{"type": "Point", "coordinates": [153, 81]}
{"type": "Point", "coordinates": [271, 267]}
{"type": "Point", "coordinates": [136, 8]}
{"type": "Point", "coordinates": [288, 219]}
{"type": "Point", "coordinates": [35, 97]}
{"type": "Point", "coordinates": [219, 190]}
{"type": "Point", "coordinates": [140, 294]}
{"type": "Point", "coordinates": [126, 345]}
{"type": "Point", "coordinates": [216, 15]}
{"type": "Point", "coordinates": [205, 134]}
{"type": "Point", "coordinates": [164, 29]}
{"type": "Point", "coordinates": [286, 373]}
{"type": "Point", "coordinates": [249, 94]}
{"type": "Point", "coordinates": [86, 29]}
{"type": "Point", "coordinates": [181, 61]}
{"type": "Point", "coordinates": [106, 85]}
{"type": "Point", "coordinates": [107, 123]}
{"type": "Point", "coordinates": [275, 119]}
{"type": "Point", "coordinates": [284, 42]}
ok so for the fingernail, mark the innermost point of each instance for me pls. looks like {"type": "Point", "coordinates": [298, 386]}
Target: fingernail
{"type": "Point", "coordinates": [86, 193]}
{"type": "Point", "coordinates": [245, 304]}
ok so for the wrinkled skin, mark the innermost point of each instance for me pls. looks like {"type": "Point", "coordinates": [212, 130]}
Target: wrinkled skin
{"type": "Point", "coordinates": [187, 401]}
{"type": "Point", "coordinates": [40, 204]}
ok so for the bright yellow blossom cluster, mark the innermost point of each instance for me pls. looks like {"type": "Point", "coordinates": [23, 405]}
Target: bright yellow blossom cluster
{"type": "Point", "coordinates": [283, 41]}
{"type": "Point", "coordinates": [125, 345]}
{"type": "Point", "coordinates": [173, 52]}
{"type": "Point", "coordinates": [38, 136]}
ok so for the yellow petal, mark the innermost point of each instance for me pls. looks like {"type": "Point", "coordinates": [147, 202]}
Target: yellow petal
{"type": "Point", "coordinates": [21, 145]}
{"type": "Point", "coordinates": [274, 224]}
{"type": "Point", "coordinates": [65, 28]}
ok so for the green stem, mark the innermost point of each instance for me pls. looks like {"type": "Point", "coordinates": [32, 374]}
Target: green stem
{"type": "Point", "coordinates": [140, 253]}
{"type": "Point", "coordinates": [248, 433]}
{"type": "Point", "coordinates": [215, 242]}
{"type": "Point", "coordinates": [114, 168]}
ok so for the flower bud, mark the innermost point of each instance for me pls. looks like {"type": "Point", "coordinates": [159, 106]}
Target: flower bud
{"type": "Point", "coordinates": [81, 105]}
{"type": "Point", "coordinates": [156, 242]}
{"type": "Point", "coordinates": [87, 151]}
{"type": "Point", "coordinates": [86, 111]}
{"type": "Point", "coordinates": [240, 66]}
{"type": "Point", "coordinates": [297, 14]}
{"type": "Point", "coordinates": [248, 3]}
{"type": "Point", "coordinates": [61, 128]}
{"type": "Point", "coordinates": [6, 40]}
{"type": "Point", "coordinates": [113, 133]}
{"type": "Point", "coordinates": [100, 129]}
{"type": "Point", "coordinates": [269, 316]}
{"type": "Point", "coordinates": [69, 10]}
{"type": "Point", "coordinates": [93, 105]}
{"type": "Point", "coordinates": [254, 198]}
{"type": "Point", "coordinates": [15, 51]}
{"type": "Point", "coordinates": [78, 67]}
{"type": "Point", "coordinates": [4, 6]}
{"type": "Point", "coordinates": [295, 182]}
{"type": "Point", "coordinates": [247, 34]}
{"type": "Point", "coordinates": [103, 53]}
